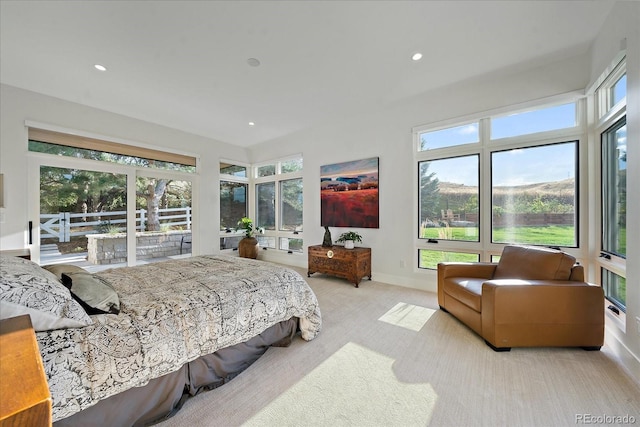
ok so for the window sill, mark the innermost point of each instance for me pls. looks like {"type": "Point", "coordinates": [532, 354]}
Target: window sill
{"type": "Point", "coordinates": [619, 320]}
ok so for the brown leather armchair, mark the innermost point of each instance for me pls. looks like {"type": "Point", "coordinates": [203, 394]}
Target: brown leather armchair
{"type": "Point", "coordinates": [533, 297]}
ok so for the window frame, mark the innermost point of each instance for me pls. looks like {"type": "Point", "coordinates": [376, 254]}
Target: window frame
{"type": "Point", "coordinates": [607, 117]}
{"type": "Point", "coordinates": [277, 178]}
{"type": "Point", "coordinates": [233, 232]}
{"type": "Point", "coordinates": [606, 260]}
{"type": "Point", "coordinates": [605, 109]}
{"type": "Point", "coordinates": [576, 214]}
{"type": "Point", "coordinates": [484, 148]}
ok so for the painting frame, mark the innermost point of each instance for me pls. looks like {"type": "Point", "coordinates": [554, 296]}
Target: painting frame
{"type": "Point", "coordinates": [349, 194]}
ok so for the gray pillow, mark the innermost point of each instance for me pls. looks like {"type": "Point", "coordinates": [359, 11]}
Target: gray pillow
{"type": "Point", "coordinates": [27, 288]}
{"type": "Point", "coordinates": [95, 294]}
{"type": "Point", "coordinates": [58, 269]}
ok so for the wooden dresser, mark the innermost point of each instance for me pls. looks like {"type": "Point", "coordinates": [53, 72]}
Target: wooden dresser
{"type": "Point", "coordinates": [24, 392]}
{"type": "Point", "coordinates": [351, 264]}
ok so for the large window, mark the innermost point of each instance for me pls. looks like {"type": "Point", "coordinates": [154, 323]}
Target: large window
{"type": "Point", "coordinates": [533, 195]}
{"type": "Point", "coordinates": [279, 204]}
{"type": "Point", "coordinates": [95, 194]}
{"type": "Point", "coordinates": [505, 179]}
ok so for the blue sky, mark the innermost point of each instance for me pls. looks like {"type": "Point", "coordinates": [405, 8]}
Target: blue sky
{"type": "Point", "coordinates": [514, 167]}
{"type": "Point", "coordinates": [353, 168]}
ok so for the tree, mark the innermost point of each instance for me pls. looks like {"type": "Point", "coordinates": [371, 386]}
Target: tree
{"type": "Point", "coordinates": [429, 193]}
{"type": "Point", "coordinates": [76, 190]}
{"type": "Point", "coordinates": [152, 190]}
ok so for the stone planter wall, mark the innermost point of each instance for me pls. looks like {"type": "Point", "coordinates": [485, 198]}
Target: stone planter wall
{"type": "Point", "coordinates": [112, 248]}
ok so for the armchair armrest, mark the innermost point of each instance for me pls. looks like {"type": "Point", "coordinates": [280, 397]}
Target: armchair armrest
{"type": "Point", "coordinates": [479, 270]}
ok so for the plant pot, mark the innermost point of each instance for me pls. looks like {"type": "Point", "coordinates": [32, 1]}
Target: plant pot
{"type": "Point", "coordinates": [348, 244]}
{"type": "Point", "coordinates": [248, 247]}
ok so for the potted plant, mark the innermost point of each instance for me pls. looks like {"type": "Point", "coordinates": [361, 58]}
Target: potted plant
{"type": "Point", "coordinates": [349, 238]}
{"type": "Point", "coordinates": [248, 246]}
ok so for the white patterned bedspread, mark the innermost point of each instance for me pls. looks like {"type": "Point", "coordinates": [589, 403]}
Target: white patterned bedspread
{"type": "Point", "coordinates": [172, 312]}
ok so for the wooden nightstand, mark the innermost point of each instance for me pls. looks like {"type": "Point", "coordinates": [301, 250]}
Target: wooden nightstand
{"type": "Point", "coordinates": [351, 264]}
{"type": "Point", "coordinates": [24, 392]}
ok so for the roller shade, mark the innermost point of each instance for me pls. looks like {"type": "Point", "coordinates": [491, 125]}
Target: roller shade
{"type": "Point", "coordinates": [86, 143]}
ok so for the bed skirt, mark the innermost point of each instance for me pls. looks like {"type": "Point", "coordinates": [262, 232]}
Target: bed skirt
{"type": "Point", "coordinates": [162, 397]}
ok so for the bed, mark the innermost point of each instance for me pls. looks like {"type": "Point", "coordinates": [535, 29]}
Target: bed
{"type": "Point", "coordinates": [127, 346]}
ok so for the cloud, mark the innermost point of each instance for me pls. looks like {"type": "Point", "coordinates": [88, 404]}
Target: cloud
{"type": "Point", "coordinates": [469, 129]}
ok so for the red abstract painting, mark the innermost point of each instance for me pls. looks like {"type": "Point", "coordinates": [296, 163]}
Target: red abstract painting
{"type": "Point", "coordinates": [349, 194]}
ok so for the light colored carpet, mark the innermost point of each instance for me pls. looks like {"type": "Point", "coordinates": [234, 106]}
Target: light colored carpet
{"type": "Point", "coordinates": [388, 357]}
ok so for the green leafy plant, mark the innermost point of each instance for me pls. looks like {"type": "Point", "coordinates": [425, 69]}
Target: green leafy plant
{"type": "Point", "coordinates": [246, 224]}
{"type": "Point", "coordinates": [106, 227]}
{"type": "Point", "coordinates": [349, 235]}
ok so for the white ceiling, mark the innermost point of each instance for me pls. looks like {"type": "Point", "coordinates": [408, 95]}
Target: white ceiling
{"type": "Point", "coordinates": [184, 65]}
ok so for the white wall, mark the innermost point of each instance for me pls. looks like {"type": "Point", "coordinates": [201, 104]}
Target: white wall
{"type": "Point", "coordinates": [17, 105]}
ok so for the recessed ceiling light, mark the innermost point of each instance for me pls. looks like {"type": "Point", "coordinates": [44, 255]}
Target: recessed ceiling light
{"type": "Point", "coordinates": [251, 124]}
{"type": "Point", "coordinates": [100, 67]}
{"type": "Point", "coordinates": [416, 56]}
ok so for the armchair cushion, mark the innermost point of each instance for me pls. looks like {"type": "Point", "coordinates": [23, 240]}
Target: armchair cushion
{"type": "Point", "coordinates": [467, 290]}
{"type": "Point", "coordinates": [533, 263]}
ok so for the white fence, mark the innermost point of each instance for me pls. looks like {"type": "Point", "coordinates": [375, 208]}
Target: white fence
{"type": "Point", "coordinates": [64, 225]}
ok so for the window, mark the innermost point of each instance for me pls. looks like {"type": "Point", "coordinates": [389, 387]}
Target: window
{"type": "Point", "coordinates": [511, 179]}
{"type": "Point", "coordinates": [615, 288]}
{"type": "Point", "coordinates": [618, 91]}
{"type": "Point", "coordinates": [540, 120]}
{"type": "Point", "coordinates": [233, 170]}
{"type": "Point", "coordinates": [614, 190]}
{"type": "Point", "coordinates": [279, 204]}
{"type": "Point", "coordinates": [266, 205]}
{"type": "Point", "coordinates": [614, 209]}
{"type": "Point", "coordinates": [449, 195]}
{"type": "Point", "coordinates": [533, 195]}
{"type": "Point", "coordinates": [449, 137]}
{"type": "Point", "coordinates": [291, 204]}
{"type": "Point", "coordinates": [266, 170]}
{"type": "Point", "coordinates": [234, 202]}
{"type": "Point", "coordinates": [611, 98]}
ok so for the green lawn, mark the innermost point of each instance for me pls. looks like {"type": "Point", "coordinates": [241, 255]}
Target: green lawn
{"type": "Point", "coordinates": [431, 258]}
{"type": "Point", "coordinates": [552, 235]}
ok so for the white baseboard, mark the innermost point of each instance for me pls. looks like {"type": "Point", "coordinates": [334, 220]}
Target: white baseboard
{"type": "Point", "coordinates": [627, 359]}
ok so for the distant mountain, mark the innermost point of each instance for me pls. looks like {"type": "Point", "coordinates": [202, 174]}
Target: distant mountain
{"type": "Point", "coordinates": [564, 187]}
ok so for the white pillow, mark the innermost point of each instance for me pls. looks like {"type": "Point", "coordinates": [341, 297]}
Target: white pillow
{"type": "Point", "coordinates": [26, 288]}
